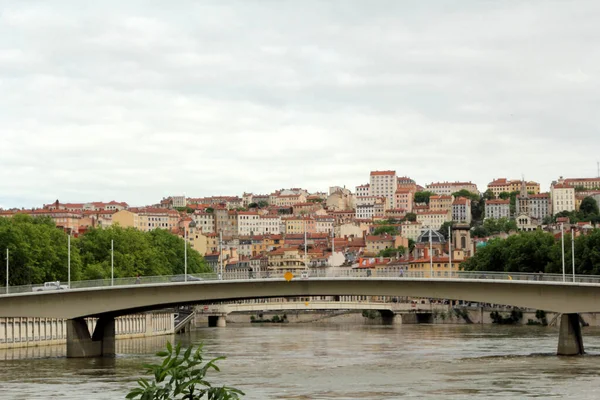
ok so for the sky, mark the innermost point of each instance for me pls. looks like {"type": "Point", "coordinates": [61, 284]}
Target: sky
{"type": "Point", "coordinates": [138, 100]}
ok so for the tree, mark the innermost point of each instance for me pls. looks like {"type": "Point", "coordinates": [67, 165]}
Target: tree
{"type": "Point", "coordinates": [38, 250]}
{"type": "Point", "coordinates": [411, 245]}
{"type": "Point", "coordinates": [182, 376]}
{"type": "Point", "coordinates": [489, 195]}
{"type": "Point", "coordinates": [466, 194]}
{"type": "Point", "coordinates": [412, 217]}
{"type": "Point", "coordinates": [263, 204]}
{"type": "Point", "coordinates": [391, 252]}
{"type": "Point", "coordinates": [589, 207]}
{"type": "Point", "coordinates": [253, 205]}
{"type": "Point", "coordinates": [385, 229]}
{"type": "Point", "coordinates": [423, 197]}
{"type": "Point", "coordinates": [444, 228]}
{"type": "Point", "coordinates": [210, 210]}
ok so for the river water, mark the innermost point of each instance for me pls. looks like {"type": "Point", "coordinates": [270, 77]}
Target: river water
{"type": "Point", "coordinates": [304, 361]}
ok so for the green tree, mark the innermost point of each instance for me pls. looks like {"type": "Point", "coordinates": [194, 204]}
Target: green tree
{"type": "Point", "coordinates": [392, 252]}
{"type": "Point", "coordinates": [411, 245]}
{"type": "Point", "coordinates": [263, 204]}
{"type": "Point", "coordinates": [589, 207]}
{"type": "Point", "coordinates": [210, 210]}
{"type": "Point", "coordinates": [182, 375]}
{"type": "Point", "coordinates": [489, 195]}
{"type": "Point", "coordinates": [412, 217]}
{"type": "Point", "coordinates": [38, 251]}
{"type": "Point", "coordinates": [385, 229]}
{"type": "Point", "coordinates": [444, 228]}
{"type": "Point", "coordinates": [253, 205]}
{"type": "Point", "coordinates": [466, 194]}
{"type": "Point", "coordinates": [423, 197]}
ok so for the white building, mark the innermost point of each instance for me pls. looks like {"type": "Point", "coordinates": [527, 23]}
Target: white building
{"type": "Point", "coordinates": [204, 221]}
{"type": "Point", "coordinates": [461, 210]}
{"type": "Point", "coordinates": [384, 183]}
{"type": "Point", "coordinates": [496, 209]}
{"type": "Point", "coordinates": [179, 201]}
{"type": "Point", "coordinates": [563, 198]}
{"type": "Point", "coordinates": [434, 219]}
{"type": "Point", "coordinates": [447, 188]}
{"type": "Point", "coordinates": [251, 223]}
{"type": "Point", "coordinates": [363, 190]}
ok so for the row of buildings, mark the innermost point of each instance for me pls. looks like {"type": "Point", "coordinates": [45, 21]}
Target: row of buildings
{"type": "Point", "coordinates": [293, 227]}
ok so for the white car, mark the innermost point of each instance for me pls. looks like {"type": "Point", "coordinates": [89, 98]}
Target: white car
{"type": "Point", "coordinates": [50, 286]}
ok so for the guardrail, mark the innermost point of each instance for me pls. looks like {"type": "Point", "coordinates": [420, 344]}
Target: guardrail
{"type": "Point", "coordinates": [330, 272]}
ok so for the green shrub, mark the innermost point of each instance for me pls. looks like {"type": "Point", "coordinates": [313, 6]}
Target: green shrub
{"type": "Point", "coordinates": [182, 376]}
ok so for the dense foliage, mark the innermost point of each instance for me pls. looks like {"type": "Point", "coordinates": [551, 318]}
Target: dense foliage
{"type": "Point", "coordinates": [493, 226]}
{"type": "Point", "coordinates": [588, 212]}
{"type": "Point", "coordinates": [38, 252]}
{"type": "Point", "coordinates": [537, 251]}
{"type": "Point", "coordinates": [392, 252]}
{"type": "Point", "coordinates": [182, 375]}
{"type": "Point", "coordinates": [423, 197]}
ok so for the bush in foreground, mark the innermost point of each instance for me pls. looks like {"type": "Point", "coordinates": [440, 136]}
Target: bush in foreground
{"type": "Point", "coordinates": [182, 376]}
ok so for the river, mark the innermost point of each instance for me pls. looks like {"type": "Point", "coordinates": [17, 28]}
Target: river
{"type": "Point", "coordinates": [320, 361]}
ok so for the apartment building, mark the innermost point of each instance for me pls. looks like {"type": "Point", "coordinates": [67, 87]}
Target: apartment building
{"type": "Point", "coordinates": [434, 219]}
{"type": "Point", "coordinates": [411, 229]}
{"type": "Point", "coordinates": [324, 223]}
{"type": "Point", "coordinates": [441, 202]}
{"type": "Point", "coordinates": [496, 209]}
{"type": "Point", "coordinates": [404, 198]}
{"type": "Point", "coordinates": [586, 183]}
{"type": "Point", "coordinates": [297, 225]}
{"type": "Point", "coordinates": [385, 184]}
{"type": "Point", "coordinates": [537, 206]}
{"type": "Point", "coordinates": [501, 185]}
{"type": "Point", "coordinates": [151, 218]}
{"type": "Point", "coordinates": [363, 190]}
{"type": "Point", "coordinates": [447, 188]}
{"type": "Point", "coordinates": [204, 221]}
{"type": "Point", "coordinates": [461, 210]}
{"type": "Point", "coordinates": [563, 197]}
{"type": "Point", "coordinates": [289, 200]}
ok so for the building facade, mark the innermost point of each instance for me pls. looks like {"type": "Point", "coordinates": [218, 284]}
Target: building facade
{"type": "Point", "coordinates": [385, 184]}
{"type": "Point", "coordinates": [496, 209]}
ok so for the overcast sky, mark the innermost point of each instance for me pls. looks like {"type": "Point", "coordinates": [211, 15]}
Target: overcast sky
{"type": "Point", "coordinates": [136, 100]}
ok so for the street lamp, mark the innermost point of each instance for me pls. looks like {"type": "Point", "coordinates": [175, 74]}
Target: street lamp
{"type": "Point", "coordinates": [185, 254]}
{"type": "Point", "coordinates": [7, 270]}
{"type": "Point", "coordinates": [562, 238]}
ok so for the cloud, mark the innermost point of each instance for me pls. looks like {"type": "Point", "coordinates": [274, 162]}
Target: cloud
{"type": "Point", "coordinates": [137, 101]}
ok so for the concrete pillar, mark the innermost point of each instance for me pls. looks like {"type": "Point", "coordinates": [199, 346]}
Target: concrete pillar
{"type": "Point", "coordinates": [221, 321]}
{"type": "Point", "coordinates": [570, 341]}
{"type": "Point", "coordinates": [81, 345]}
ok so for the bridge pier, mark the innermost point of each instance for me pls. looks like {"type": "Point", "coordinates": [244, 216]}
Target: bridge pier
{"type": "Point", "coordinates": [570, 341]}
{"type": "Point", "coordinates": [80, 344]}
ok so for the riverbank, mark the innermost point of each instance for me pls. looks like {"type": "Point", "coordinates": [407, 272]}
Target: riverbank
{"type": "Point", "coordinates": [32, 332]}
{"type": "Point", "coordinates": [442, 314]}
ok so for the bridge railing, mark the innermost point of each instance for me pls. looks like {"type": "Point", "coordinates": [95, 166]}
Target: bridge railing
{"type": "Point", "coordinates": [305, 274]}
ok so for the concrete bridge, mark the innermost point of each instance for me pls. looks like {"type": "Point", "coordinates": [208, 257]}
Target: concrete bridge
{"type": "Point", "coordinates": [217, 312]}
{"type": "Point", "coordinates": [108, 302]}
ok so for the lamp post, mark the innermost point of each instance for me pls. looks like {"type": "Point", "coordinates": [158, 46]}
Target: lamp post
{"type": "Point", "coordinates": [450, 250]}
{"type": "Point", "coordinates": [7, 270]}
{"type": "Point", "coordinates": [573, 251]}
{"type": "Point", "coordinates": [430, 255]}
{"type": "Point", "coordinates": [185, 255]}
{"type": "Point", "coordinates": [112, 262]}
{"type": "Point", "coordinates": [562, 238]}
{"type": "Point", "coordinates": [69, 260]}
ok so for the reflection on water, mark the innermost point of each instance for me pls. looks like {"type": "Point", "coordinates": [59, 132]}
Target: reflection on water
{"type": "Point", "coordinates": [332, 362]}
